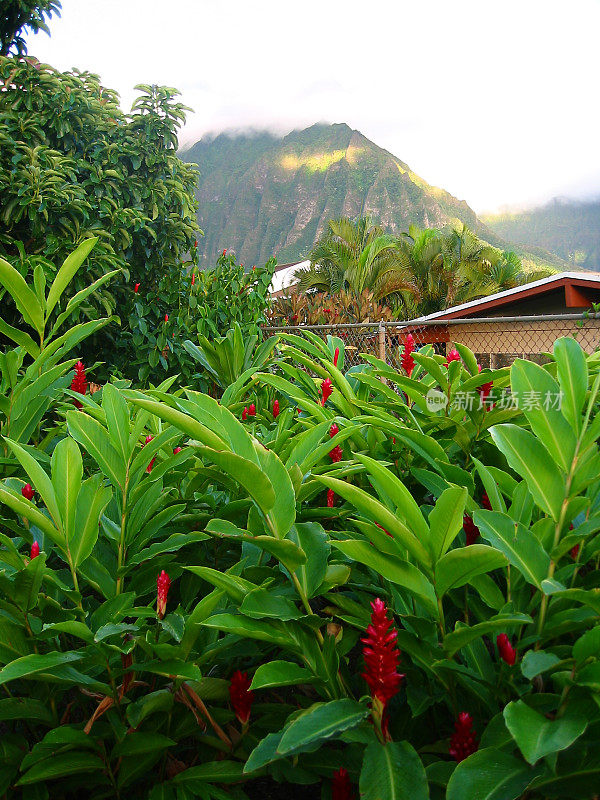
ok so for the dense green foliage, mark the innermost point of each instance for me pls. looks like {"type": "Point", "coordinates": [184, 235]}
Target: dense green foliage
{"type": "Point", "coordinates": [265, 196]}
{"type": "Point", "coordinates": [153, 544]}
{"type": "Point", "coordinates": [19, 16]}
{"type": "Point", "coordinates": [420, 272]}
{"type": "Point", "coordinates": [568, 228]}
{"type": "Point", "coordinates": [73, 165]}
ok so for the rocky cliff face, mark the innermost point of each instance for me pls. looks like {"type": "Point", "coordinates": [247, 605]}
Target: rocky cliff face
{"type": "Point", "coordinates": [264, 196]}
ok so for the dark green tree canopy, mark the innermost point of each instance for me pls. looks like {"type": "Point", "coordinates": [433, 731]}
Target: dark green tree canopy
{"type": "Point", "coordinates": [16, 16]}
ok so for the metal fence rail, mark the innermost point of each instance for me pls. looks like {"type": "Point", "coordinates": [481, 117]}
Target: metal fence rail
{"type": "Point", "coordinates": [496, 341]}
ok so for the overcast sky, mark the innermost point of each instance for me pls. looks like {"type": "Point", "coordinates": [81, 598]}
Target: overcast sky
{"type": "Point", "coordinates": [495, 101]}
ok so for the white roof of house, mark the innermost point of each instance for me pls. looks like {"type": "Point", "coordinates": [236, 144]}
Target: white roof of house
{"type": "Point", "coordinates": [284, 276]}
{"type": "Point", "coordinates": [560, 276]}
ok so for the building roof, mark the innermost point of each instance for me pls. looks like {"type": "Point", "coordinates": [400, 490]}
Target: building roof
{"type": "Point", "coordinates": [283, 277]}
{"type": "Point", "coordinates": [571, 282]}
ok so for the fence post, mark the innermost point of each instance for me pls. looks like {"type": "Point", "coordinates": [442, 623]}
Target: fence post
{"type": "Point", "coordinates": [381, 341]}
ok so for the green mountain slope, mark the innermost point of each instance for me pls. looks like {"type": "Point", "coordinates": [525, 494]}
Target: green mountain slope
{"type": "Point", "coordinates": [568, 228]}
{"type": "Point", "coordinates": [265, 196]}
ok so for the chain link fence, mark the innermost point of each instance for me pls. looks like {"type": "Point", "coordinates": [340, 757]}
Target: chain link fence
{"type": "Point", "coordinates": [496, 341]}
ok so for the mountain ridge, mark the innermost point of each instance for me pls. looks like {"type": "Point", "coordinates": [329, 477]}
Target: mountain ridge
{"type": "Point", "coordinates": [261, 194]}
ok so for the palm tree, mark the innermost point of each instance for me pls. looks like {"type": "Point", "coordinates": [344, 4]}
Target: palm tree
{"type": "Point", "coordinates": [357, 256]}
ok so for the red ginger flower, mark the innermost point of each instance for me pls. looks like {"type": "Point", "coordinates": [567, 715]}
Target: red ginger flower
{"type": "Point", "coordinates": [196, 243]}
{"type": "Point", "coordinates": [470, 529]}
{"type": "Point", "coordinates": [193, 278]}
{"type": "Point", "coordinates": [224, 251]}
{"type": "Point", "coordinates": [453, 355]}
{"type": "Point", "coordinates": [163, 583]}
{"type": "Point", "coordinates": [336, 355]}
{"type": "Point", "coordinates": [463, 741]}
{"type": "Point", "coordinates": [333, 430]}
{"type": "Point", "coordinates": [251, 410]}
{"type": "Point", "coordinates": [407, 361]}
{"type": "Point", "coordinates": [341, 788]}
{"type": "Point", "coordinates": [149, 439]}
{"type": "Point", "coordinates": [485, 388]}
{"type": "Point", "coordinates": [336, 454]}
{"type": "Point", "coordinates": [485, 501]}
{"type": "Point", "coordinates": [136, 288]}
{"type": "Point", "coordinates": [506, 650]}
{"type": "Point", "coordinates": [574, 551]}
{"type": "Point", "coordinates": [240, 695]}
{"type": "Point", "coordinates": [381, 656]}
{"type": "Point", "coordinates": [35, 549]}
{"type": "Point", "coordinates": [166, 317]}
{"type": "Point", "coordinates": [245, 414]}
{"type": "Point", "coordinates": [176, 450]}
{"type": "Point", "coordinates": [326, 390]}
{"type": "Point", "coordinates": [27, 491]}
{"type": "Point", "coordinates": [79, 382]}
{"type": "Point", "coordinates": [330, 498]}
{"type": "Point", "coordinates": [275, 409]}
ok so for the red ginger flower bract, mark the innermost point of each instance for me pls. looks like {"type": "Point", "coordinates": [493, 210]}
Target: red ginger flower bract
{"type": "Point", "coordinates": [336, 355]}
{"type": "Point", "coordinates": [240, 695]}
{"type": "Point", "coordinates": [333, 430]}
{"type": "Point", "coordinates": [176, 450]}
{"type": "Point", "coordinates": [507, 652]}
{"type": "Point", "coordinates": [381, 657]}
{"type": "Point", "coordinates": [275, 409]}
{"type": "Point", "coordinates": [251, 410]}
{"type": "Point", "coordinates": [326, 390]}
{"type": "Point", "coordinates": [245, 414]}
{"type": "Point", "coordinates": [471, 530]}
{"type": "Point", "coordinates": [407, 361]}
{"type": "Point", "coordinates": [485, 501]}
{"type": "Point", "coordinates": [163, 583]}
{"type": "Point", "coordinates": [79, 382]}
{"type": "Point", "coordinates": [330, 498]}
{"type": "Point", "coordinates": [574, 551]}
{"type": "Point", "coordinates": [453, 355]}
{"type": "Point", "coordinates": [485, 388]}
{"type": "Point", "coordinates": [341, 788]}
{"type": "Point", "coordinates": [166, 317]}
{"type": "Point", "coordinates": [336, 454]}
{"type": "Point", "coordinates": [463, 741]}
{"type": "Point", "coordinates": [35, 549]}
{"type": "Point", "coordinates": [149, 467]}
{"type": "Point", "coordinates": [136, 288]}
{"type": "Point", "coordinates": [27, 491]}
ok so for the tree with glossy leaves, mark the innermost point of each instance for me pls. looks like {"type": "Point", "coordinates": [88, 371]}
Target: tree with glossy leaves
{"type": "Point", "coordinates": [19, 16]}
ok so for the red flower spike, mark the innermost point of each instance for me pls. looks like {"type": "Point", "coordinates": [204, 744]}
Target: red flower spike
{"type": "Point", "coordinates": [470, 529]}
{"type": "Point", "coordinates": [35, 549]}
{"type": "Point", "coordinates": [27, 491]}
{"type": "Point", "coordinates": [240, 695]}
{"type": "Point", "coordinates": [407, 361]}
{"type": "Point", "coordinates": [507, 652]}
{"type": "Point", "coordinates": [163, 583]}
{"type": "Point", "coordinates": [193, 278]}
{"type": "Point", "coordinates": [149, 467]}
{"type": "Point", "coordinates": [336, 355]}
{"type": "Point", "coordinates": [485, 388]}
{"type": "Point", "coordinates": [79, 382]}
{"type": "Point", "coordinates": [453, 355]}
{"type": "Point", "coordinates": [224, 251]}
{"type": "Point", "coordinates": [336, 454]}
{"type": "Point", "coordinates": [275, 409]}
{"type": "Point", "coordinates": [196, 243]}
{"type": "Point", "coordinates": [574, 551]}
{"type": "Point", "coordinates": [381, 657]}
{"type": "Point", "coordinates": [326, 390]}
{"type": "Point", "coordinates": [251, 410]}
{"type": "Point", "coordinates": [176, 450]}
{"type": "Point", "coordinates": [333, 430]}
{"type": "Point", "coordinates": [463, 741]}
{"type": "Point", "coordinates": [330, 498]}
{"type": "Point", "coordinates": [245, 414]}
{"type": "Point", "coordinates": [136, 288]}
{"type": "Point", "coordinates": [485, 501]}
{"type": "Point", "coordinates": [341, 788]}
{"type": "Point", "coordinates": [166, 317]}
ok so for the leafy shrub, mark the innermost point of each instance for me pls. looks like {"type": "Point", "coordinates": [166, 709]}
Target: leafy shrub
{"type": "Point", "coordinates": [353, 585]}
